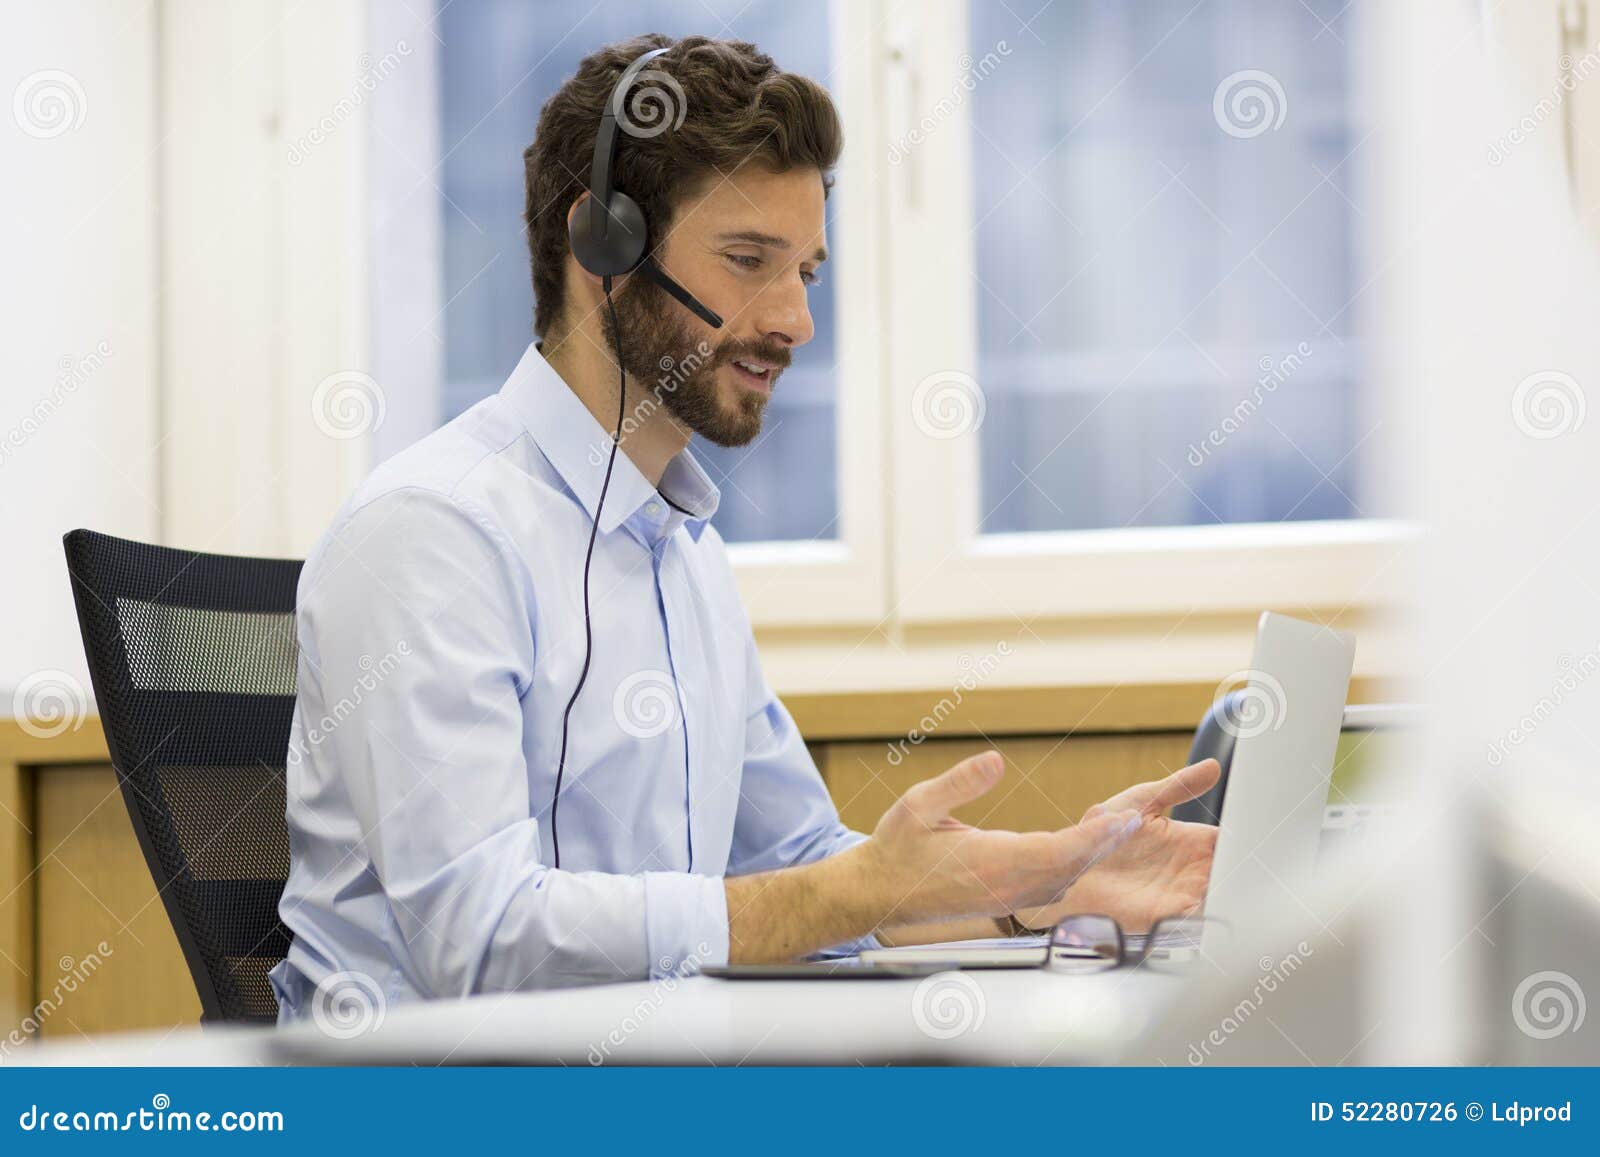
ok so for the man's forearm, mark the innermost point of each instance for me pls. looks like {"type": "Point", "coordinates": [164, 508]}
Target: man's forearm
{"type": "Point", "coordinates": [940, 931]}
{"type": "Point", "coordinates": [788, 913]}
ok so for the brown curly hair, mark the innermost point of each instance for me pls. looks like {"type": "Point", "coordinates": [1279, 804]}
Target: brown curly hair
{"type": "Point", "coordinates": [738, 106]}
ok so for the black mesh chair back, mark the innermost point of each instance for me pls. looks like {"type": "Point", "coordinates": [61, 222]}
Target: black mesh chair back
{"type": "Point", "coordinates": [192, 657]}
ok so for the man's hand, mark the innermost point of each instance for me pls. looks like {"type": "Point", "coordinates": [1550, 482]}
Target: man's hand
{"type": "Point", "coordinates": [935, 867]}
{"type": "Point", "coordinates": [920, 865]}
{"type": "Point", "coordinates": [1162, 870]}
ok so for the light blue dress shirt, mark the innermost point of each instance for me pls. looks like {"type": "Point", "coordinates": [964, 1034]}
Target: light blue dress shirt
{"type": "Point", "coordinates": [441, 633]}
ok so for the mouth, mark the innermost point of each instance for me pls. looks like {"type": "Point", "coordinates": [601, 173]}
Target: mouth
{"type": "Point", "coordinates": [754, 374]}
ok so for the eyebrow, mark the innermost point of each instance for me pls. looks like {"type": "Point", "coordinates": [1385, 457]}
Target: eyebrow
{"type": "Point", "coordinates": [771, 241]}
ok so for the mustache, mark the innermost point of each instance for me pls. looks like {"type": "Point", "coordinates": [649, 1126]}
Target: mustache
{"type": "Point", "coordinates": [769, 352]}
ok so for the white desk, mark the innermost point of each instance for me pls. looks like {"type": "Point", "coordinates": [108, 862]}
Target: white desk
{"type": "Point", "coordinates": [1025, 1017]}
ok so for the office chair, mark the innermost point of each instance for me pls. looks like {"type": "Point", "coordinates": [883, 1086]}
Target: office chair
{"type": "Point", "coordinates": [192, 657]}
{"type": "Point", "coordinates": [1214, 739]}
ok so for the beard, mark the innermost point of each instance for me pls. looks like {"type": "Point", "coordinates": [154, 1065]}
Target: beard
{"type": "Point", "coordinates": [663, 357]}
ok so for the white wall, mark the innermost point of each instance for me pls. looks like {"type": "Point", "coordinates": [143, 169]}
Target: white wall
{"type": "Point", "coordinates": [78, 399]}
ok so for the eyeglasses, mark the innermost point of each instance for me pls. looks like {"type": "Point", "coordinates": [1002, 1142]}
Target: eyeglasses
{"type": "Point", "coordinates": [1094, 943]}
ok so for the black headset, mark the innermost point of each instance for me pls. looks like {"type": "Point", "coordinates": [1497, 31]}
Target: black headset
{"type": "Point", "coordinates": [608, 234]}
{"type": "Point", "coordinates": [609, 237]}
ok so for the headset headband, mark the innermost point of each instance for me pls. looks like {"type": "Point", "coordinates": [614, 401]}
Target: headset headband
{"type": "Point", "coordinates": [605, 145]}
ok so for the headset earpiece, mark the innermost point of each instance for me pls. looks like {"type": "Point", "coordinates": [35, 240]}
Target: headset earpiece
{"type": "Point", "coordinates": [623, 244]}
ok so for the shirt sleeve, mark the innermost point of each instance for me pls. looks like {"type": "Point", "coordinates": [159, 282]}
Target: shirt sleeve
{"type": "Point", "coordinates": [430, 757]}
{"type": "Point", "coordinates": [786, 816]}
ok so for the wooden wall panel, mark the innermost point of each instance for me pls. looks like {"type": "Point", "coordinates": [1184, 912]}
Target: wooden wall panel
{"type": "Point", "coordinates": [1048, 781]}
{"type": "Point", "coordinates": [16, 895]}
{"type": "Point", "coordinates": [92, 887]}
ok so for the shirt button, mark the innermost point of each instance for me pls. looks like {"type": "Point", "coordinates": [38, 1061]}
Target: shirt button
{"type": "Point", "coordinates": [653, 509]}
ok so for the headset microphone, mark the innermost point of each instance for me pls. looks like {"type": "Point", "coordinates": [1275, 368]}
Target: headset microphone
{"type": "Point", "coordinates": [609, 237]}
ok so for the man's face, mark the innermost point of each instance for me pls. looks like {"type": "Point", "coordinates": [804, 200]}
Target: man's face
{"type": "Point", "coordinates": [748, 246]}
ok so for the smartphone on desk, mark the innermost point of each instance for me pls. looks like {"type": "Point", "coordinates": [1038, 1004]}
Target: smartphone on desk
{"type": "Point", "coordinates": [853, 969]}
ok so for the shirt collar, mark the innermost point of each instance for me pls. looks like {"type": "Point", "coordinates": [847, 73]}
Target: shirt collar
{"type": "Point", "coordinates": [577, 448]}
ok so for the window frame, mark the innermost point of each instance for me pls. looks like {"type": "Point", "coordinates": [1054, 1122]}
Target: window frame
{"type": "Point", "coordinates": [943, 569]}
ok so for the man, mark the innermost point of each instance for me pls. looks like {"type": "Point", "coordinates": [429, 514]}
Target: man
{"type": "Point", "coordinates": [442, 625]}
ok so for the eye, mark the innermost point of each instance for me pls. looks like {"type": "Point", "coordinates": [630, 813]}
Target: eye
{"type": "Point", "coordinates": [744, 260]}
{"type": "Point", "coordinates": [809, 277]}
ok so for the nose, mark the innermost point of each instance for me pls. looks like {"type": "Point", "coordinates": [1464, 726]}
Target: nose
{"type": "Point", "coordinates": [784, 315]}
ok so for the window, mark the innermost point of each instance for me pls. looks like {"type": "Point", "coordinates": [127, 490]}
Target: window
{"type": "Point", "coordinates": [1147, 257]}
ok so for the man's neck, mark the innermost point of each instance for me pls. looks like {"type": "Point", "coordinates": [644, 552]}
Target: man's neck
{"type": "Point", "coordinates": [650, 436]}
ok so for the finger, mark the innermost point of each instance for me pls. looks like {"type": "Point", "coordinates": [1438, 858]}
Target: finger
{"type": "Point", "coordinates": [934, 799]}
{"type": "Point", "coordinates": [1184, 784]}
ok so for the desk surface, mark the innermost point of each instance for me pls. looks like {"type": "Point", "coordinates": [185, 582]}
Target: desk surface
{"type": "Point", "coordinates": [1012, 1016]}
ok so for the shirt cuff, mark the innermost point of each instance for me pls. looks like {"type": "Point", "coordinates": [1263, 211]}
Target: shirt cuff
{"type": "Point", "coordinates": [686, 922]}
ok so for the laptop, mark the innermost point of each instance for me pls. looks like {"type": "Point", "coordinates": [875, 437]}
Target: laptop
{"type": "Point", "coordinates": [1286, 734]}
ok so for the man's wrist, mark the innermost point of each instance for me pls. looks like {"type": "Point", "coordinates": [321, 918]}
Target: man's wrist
{"type": "Point", "coordinates": [854, 880]}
